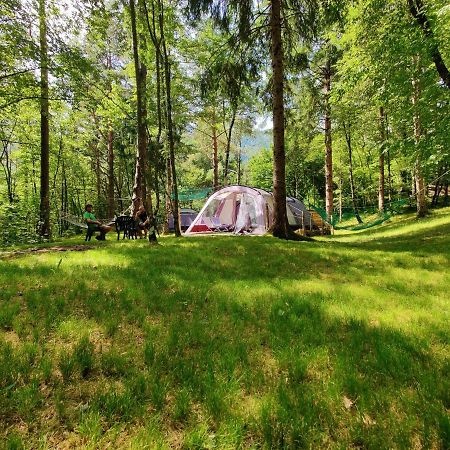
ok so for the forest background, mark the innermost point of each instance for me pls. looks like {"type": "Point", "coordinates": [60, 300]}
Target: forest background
{"type": "Point", "coordinates": [101, 101]}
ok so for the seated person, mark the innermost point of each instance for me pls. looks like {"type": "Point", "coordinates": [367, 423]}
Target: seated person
{"type": "Point", "coordinates": [93, 224]}
{"type": "Point", "coordinates": [142, 220]}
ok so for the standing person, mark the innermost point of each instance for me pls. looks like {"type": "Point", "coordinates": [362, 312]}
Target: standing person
{"type": "Point", "coordinates": [94, 224]}
{"type": "Point", "coordinates": [142, 221]}
{"type": "Point", "coordinates": [152, 229]}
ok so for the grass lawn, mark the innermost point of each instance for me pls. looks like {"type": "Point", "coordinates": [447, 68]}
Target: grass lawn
{"type": "Point", "coordinates": [231, 342]}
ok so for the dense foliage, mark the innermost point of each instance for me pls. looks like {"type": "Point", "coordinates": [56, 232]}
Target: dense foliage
{"type": "Point", "coordinates": [363, 79]}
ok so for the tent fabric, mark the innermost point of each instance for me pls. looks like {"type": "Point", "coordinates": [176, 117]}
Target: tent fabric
{"type": "Point", "coordinates": [244, 210]}
{"type": "Point", "coordinates": [187, 216]}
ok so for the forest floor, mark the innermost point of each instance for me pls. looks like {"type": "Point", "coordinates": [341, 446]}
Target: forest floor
{"type": "Point", "coordinates": [231, 342]}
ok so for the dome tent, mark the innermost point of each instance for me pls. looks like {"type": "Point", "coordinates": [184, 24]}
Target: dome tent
{"type": "Point", "coordinates": [187, 216]}
{"type": "Point", "coordinates": [244, 210]}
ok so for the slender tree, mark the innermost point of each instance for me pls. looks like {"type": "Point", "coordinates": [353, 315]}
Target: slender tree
{"type": "Point", "coordinates": [139, 187]}
{"type": "Point", "coordinates": [110, 144]}
{"type": "Point", "coordinates": [328, 140]}
{"type": "Point", "coordinates": [348, 140]}
{"type": "Point", "coordinates": [170, 126]}
{"type": "Point", "coordinates": [382, 124]}
{"type": "Point", "coordinates": [418, 171]}
{"type": "Point", "coordinates": [44, 229]}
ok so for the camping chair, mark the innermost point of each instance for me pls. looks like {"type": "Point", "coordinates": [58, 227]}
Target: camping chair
{"type": "Point", "coordinates": [127, 225]}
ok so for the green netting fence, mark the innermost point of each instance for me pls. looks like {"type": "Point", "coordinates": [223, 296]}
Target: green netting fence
{"type": "Point", "coordinates": [188, 195]}
{"type": "Point", "coordinates": [369, 215]}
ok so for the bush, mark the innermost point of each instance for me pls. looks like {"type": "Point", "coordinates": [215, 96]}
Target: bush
{"type": "Point", "coordinates": [17, 225]}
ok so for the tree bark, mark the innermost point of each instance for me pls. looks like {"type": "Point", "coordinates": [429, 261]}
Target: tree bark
{"type": "Point", "coordinates": [418, 175]}
{"type": "Point", "coordinates": [228, 148]}
{"type": "Point", "coordinates": [170, 130]}
{"type": "Point", "coordinates": [381, 205]}
{"type": "Point", "coordinates": [139, 187]}
{"type": "Point", "coordinates": [280, 222]}
{"type": "Point", "coordinates": [348, 139]}
{"type": "Point", "coordinates": [239, 164]}
{"type": "Point", "coordinates": [7, 168]}
{"type": "Point", "coordinates": [168, 201]}
{"type": "Point", "coordinates": [44, 229]}
{"type": "Point", "coordinates": [418, 12]}
{"type": "Point", "coordinates": [111, 203]}
{"type": "Point", "coordinates": [328, 142]}
{"type": "Point", "coordinates": [215, 158]}
{"type": "Point", "coordinates": [97, 170]}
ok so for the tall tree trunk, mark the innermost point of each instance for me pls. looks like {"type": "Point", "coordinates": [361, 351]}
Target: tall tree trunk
{"type": "Point", "coordinates": [239, 164]}
{"type": "Point", "coordinates": [328, 142]}
{"type": "Point", "coordinates": [97, 170]}
{"type": "Point", "coordinates": [389, 175]}
{"type": "Point", "coordinates": [7, 168]}
{"type": "Point", "coordinates": [228, 148]}
{"type": "Point", "coordinates": [348, 139]}
{"type": "Point", "coordinates": [280, 222]}
{"type": "Point", "coordinates": [168, 201]}
{"type": "Point", "coordinates": [381, 206]}
{"type": "Point", "coordinates": [418, 175]}
{"type": "Point", "coordinates": [45, 134]}
{"type": "Point", "coordinates": [170, 130]}
{"type": "Point", "coordinates": [111, 204]}
{"type": "Point", "coordinates": [388, 157]}
{"type": "Point", "coordinates": [215, 158]}
{"type": "Point", "coordinates": [139, 187]}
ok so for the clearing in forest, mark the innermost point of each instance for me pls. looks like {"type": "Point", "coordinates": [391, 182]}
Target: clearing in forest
{"type": "Point", "coordinates": [231, 342]}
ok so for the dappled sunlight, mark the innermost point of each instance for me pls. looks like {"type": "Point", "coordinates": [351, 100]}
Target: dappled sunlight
{"type": "Point", "coordinates": [196, 334]}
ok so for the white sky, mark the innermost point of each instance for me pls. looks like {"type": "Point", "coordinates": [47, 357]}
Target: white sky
{"type": "Point", "coordinates": [263, 123]}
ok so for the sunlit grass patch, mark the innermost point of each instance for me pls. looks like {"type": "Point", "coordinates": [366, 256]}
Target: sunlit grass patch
{"type": "Point", "coordinates": [231, 342]}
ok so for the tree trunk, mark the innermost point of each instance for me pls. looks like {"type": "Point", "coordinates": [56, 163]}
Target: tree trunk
{"type": "Point", "coordinates": [239, 164]}
{"type": "Point", "coordinates": [328, 143]}
{"type": "Point", "coordinates": [44, 229]}
{"type": "Point", "coordinates": [280, 222]}
{"type": "Point", "coordinates": [139, 187]}
{"type": "Point", "coordinates": [381, 206]}
{"type": "Point", "coordinates": [170, 131]}
{"type": "Point", "coordinates": [98, 181]}
{"type": "Point", "coordinates": [418, 175]}
{"type": "Point", "coordinates": [389, 175]}
{"type": "Point", "coordinates": [215, 159]}
{"type": "Point", "coordinates": [111, 203]}
{"type": "Point", "coordinates": [227, 150]}
{"type": "Point", "coordinates": [348, 139]}
{"type": "Point", "coordinates": [168, 201]}
{"type": "Point", "coordinates": [7, 168]}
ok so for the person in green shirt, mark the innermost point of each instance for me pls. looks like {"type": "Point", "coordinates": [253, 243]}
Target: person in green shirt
{"type": "Point", "coordinates": [94, 224]}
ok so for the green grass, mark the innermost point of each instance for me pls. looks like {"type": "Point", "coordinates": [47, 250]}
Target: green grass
{"type": "Point", "coordinates": [223, 342]}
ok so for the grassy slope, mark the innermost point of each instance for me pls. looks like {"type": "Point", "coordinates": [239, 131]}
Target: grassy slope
{"type": "Point", "coordinates": [231, 342]}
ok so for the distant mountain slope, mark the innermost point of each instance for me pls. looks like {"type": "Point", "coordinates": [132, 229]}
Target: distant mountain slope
{"type": "Point", "coordinates": [253, 144]}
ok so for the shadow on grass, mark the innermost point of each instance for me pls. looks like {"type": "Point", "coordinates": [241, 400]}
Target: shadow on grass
{"type": "Point", "coordinates": [211, 339]}
{"type": "Point", "coordinates": [430, 241]}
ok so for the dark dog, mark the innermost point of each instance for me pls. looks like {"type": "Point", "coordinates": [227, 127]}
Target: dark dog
{"type": "Point", "coordinates": [127, 226]}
